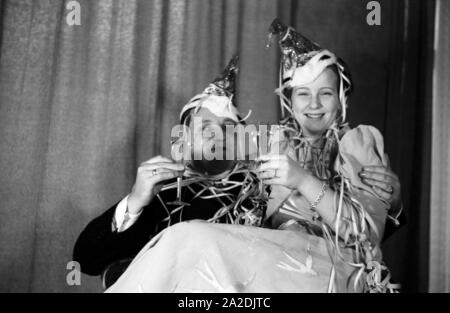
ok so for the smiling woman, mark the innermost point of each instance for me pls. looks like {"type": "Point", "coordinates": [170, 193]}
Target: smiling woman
{"type": "Point", "coordinates": [318, 186]}
{"type": "Point", "coordinates": [316, 104]}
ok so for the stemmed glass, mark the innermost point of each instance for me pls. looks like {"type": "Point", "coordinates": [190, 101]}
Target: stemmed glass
{"type": "Point", "coordinates": [183, 158]}
{"type": "Point", "coordinates": [259, 141]}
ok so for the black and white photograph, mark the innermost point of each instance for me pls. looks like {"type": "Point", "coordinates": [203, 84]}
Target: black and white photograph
{"type": "Point", "coordinates": [242, 147]}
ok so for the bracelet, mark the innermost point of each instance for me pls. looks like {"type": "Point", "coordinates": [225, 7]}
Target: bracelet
{"type": "Point", "coordinates": [316, 202]}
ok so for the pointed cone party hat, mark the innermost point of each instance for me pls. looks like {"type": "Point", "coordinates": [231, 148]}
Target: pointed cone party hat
{"type": "Point", "coordinates": [225, 84]}
{"type": "Point", "coordinates": [295, 48]}
{"type": "Point", "coordinates": [218, 97]}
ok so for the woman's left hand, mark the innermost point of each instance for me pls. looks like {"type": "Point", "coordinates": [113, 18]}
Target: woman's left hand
{"type": "Point", "coordinates": [280, 169]}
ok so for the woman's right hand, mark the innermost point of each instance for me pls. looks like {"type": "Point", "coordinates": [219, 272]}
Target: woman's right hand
{"type": "Point", "coordinates": [149, 178]}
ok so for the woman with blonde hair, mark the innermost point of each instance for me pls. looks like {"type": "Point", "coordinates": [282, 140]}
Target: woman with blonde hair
{"type": "Point", "coordinates": [327, 179]}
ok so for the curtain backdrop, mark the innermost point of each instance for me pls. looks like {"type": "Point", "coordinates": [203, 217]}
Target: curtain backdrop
{"type": "Point", "coordinates": [440, 175]}
{"type": "Point", "coordinates": [82, 106]}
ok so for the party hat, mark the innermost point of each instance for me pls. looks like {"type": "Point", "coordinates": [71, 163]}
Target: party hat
{"type": "Point", "coordinates": [218, 96]}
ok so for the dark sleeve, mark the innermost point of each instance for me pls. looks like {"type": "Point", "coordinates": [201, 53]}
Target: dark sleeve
{"type": "Point", "coordinates": [391, 228]}
{"type": "Point", "coordinates": [98, 246]}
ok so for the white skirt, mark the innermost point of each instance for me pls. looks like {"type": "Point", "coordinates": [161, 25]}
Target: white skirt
{"type": "Point", "coordinates": [197, 256]}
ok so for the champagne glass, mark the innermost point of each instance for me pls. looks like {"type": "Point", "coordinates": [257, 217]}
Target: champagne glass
{"type": "Point", "coordinates": [180, 157]}
{"type": "Point", "coordinates": [258, 139]}
{"type": "Point", "coordinates": [258, 145]}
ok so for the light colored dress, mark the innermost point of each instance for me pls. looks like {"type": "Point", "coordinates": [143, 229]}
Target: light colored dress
{"type": "Point", "coordinates": [197, 256]}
